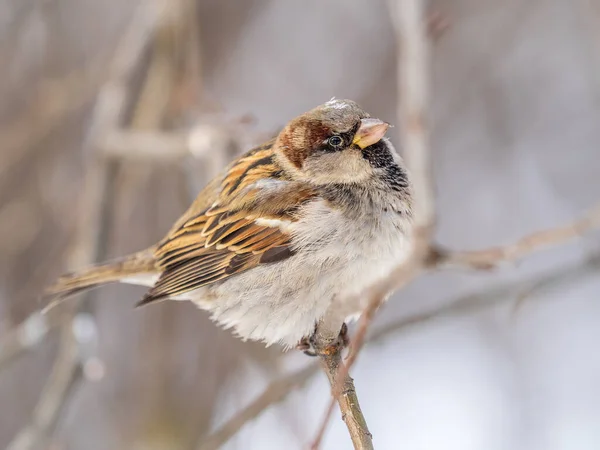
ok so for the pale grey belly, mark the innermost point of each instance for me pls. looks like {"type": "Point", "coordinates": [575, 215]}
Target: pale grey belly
{"type": "Point", "coordinates": [282, 302]}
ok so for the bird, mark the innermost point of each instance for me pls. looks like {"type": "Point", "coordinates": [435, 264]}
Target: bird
{"type": "Point", "coordinates": [290, 232]}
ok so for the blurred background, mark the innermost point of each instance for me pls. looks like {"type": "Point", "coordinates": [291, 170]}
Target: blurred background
{"type": "Point", "coordinates": [96, 160]}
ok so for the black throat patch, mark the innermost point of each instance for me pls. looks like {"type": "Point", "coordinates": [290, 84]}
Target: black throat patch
{"type": "Point", "coordinates": [380, 157]}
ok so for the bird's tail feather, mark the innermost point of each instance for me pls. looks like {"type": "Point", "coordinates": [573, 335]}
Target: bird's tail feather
{"type": "Point", "coordinates": [132, 266]}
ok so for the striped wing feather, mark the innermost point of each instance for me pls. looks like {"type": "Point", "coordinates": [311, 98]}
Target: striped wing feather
{"type": "Point", "coordinates": [212, 243]}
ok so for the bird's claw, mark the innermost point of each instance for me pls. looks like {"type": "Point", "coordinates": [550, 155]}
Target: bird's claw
{"type": "Point", "coordinates": [309, 347]}
{"type": "Point", "coordinates": [306, 347]}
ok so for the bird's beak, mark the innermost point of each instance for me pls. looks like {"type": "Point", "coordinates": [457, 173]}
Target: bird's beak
{"type": "Point", "coordinates": [370, 132]}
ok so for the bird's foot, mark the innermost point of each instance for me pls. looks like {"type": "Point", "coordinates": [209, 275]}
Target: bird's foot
{"type": "Point", "coordinates": [306, 347]}
{"type": "Point", "coordinates": [311, 348]}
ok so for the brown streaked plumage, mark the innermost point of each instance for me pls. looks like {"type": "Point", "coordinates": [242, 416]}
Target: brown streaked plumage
{"type": "Point", "coordinates": [216, 238]}
{"type": "Point", "coordinates": [268, 243]}
{"type": "Point", "coordinates": [228, 237]}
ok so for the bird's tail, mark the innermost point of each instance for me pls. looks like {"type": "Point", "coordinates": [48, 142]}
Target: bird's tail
{"type": "Point", "coordinates": [135, 268]}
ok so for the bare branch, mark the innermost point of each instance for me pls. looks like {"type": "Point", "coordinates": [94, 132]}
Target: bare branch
{"type": "Point", "coordinates": [274, 393]}
{"type": "Point", "coordinates": [509, 292]}
{"type": "Point", "coordinates": [347, 400]}
{"type": "Point", "coordinates": [57, 101]}
{"type": "Point", "coordinates": [203, 141]}
{"type": "Point", "coordinates": [113, 96]}
{"type": "Point", "coordinates": [489, 258]}
{"type": "Point", "coordinates": [69, 363]}
{"type": "Point", "coordinates": [146, 145]}
{"type": "Point", "coordinates": [27, 335]}
{"type": "Point", "coordinates": [437, 24]}
{"type": "Point", "coordinates": [65, 376]}
{"type": "Point", "coordinates": [412, 43]}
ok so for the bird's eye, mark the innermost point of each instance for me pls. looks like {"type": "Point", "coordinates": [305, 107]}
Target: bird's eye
{"type": "Point", "coordinates": [335, 141]}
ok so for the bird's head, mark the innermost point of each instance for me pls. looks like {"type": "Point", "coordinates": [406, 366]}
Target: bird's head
{"type": "Point", "coordinates": [336, 142]}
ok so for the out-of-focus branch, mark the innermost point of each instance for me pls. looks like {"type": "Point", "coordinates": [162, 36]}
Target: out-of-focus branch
{"type": "Point", "coordinates": [437, 24]}
{"type": "Point", "coordinates": [278, 390]}
{"type": "Point", "coordinates": [89, 245]}
{"type": "Point", "coordinates": [27, 335]}
{"type": "Point", "coordinates": [274, 393]}
{"type": "Point", "coordinates": [203, 141]}
{"type": "Point", "coordinates": [490, 258]}
{"type": "Point", "coordinates": [507, 293]}
{"type": "Point", "coordinates": [146, 145]}
{"type": "Point", "coordinates": [71, 358]}
{"type": "Point", "coordinates": [59, 99]}
{"type": "Point", "coordinates": [113, 97]}
{"type": "Point", "coordinates": [55, 102]}
{"type": "Point", "coordinates": [70, 361]}
{"type": "Point", "coordinates": [76, 360]}
{"type": "Point", "coordinates": [65, 376]}
{"type": "Point", "coordinates": [409, 19]}
{"type": "Point", "coordinates": [412, 43]}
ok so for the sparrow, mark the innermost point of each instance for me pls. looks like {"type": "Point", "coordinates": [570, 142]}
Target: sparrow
{"type": "Point", "coordinates": [286, 235]}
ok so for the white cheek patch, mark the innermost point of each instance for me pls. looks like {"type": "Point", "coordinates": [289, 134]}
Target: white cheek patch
{"type": "Point", "coordinates": [340, 167]}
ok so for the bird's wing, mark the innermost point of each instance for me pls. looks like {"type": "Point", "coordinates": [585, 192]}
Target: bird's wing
{"type": "Point", "coordinates": [247, 225]}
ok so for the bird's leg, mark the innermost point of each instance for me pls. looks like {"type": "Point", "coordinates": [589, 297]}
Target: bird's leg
{"type": "Point", "coordinates": [311, 348]}
{"type": "Point", "coordinates": [306, 344]}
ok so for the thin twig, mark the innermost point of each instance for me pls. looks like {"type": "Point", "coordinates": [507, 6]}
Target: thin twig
{"type": "Point", "coordinates": [27, 335]}
{"type": "Point", "coordinates": [146, 145]}
{"type": "Point", "coordinates": [347, 400]}
{"type": "Point", "coordinates": [113, 97]}
{"type": "Point", "coordinates": [506, 293]}
{"type": "Point", "coordinates": [202, 141]}
{"type": "Point", "coordinates": [277, 391]}
{"type": "Point", "coordinates": [490, 258]}
{"type": "Point", "coordinates": [68, 365]}
{"type": "Point", "coordinates": [405, 273]}
{"type": "Point", "coordinates": [65, 375]}
{"type": "Point", "coordinates": [274, 393]}
{"type": "Point", "coordinates": [56, 101]}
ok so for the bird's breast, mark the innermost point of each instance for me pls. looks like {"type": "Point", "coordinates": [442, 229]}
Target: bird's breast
{"type": "Point", "coordinates": [354, 250]}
